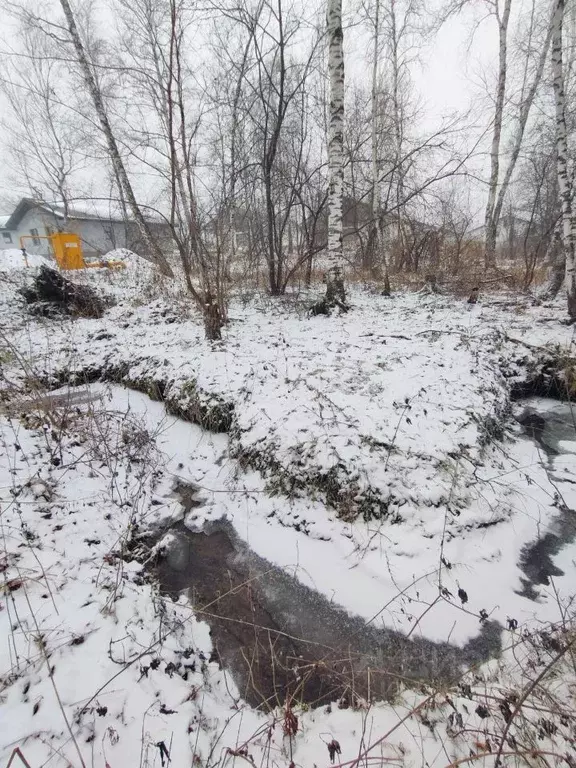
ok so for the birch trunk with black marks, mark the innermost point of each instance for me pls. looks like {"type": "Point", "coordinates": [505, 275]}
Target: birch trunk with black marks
{"type": "Point", "coordinates": [490, 226]}
{"type": "Point", "coordinates": [555, 265]}
{"type": "Point", "coordinates": [523, 116]}
{"type": "Point", "coordinates": [375, 256]}
{"type": "Point", "coordinates": [113, 151]}
{"type": "Point", "coordinates": [335, 294]}
{"type": "Point", "coordinates": [372, 246]}
{"type": "Point", "coordinates": [395, 34]}
{"type": "Point", "coordinates": [556, 275]}
{"type": "Point", "coordinates": [564, 185]}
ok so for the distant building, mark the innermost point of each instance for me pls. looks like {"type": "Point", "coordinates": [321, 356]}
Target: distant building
{"type": "Point", "coordinates": [357, 221]}
{"type": "Point", "coordinates": [511, 228]}
{"type": "Point", "coordinates": [5, 234]}
{"type": "Point", "coordinates": [99, 231]}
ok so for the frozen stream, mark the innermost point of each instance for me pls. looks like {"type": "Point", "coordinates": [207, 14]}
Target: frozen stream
{"type": "Point", "coordinates": [295, 608]}
{"type": "Point", "coordinates": [553, 426]}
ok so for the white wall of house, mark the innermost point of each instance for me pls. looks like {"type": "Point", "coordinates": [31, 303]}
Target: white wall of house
{"type": "Point", "coordinates": [33, 222]}
{"type": "Point", "coordinates": [98, 237]}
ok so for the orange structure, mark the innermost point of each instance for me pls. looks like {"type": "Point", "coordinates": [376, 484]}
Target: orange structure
{"type": "Point", "coordinates": [67, 251]}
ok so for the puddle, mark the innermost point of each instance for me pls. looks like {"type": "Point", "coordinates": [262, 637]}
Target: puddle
{"type": "Point", "coordinates": [552, 425]}
{"type": "Point", "coordinates": [281, 639]}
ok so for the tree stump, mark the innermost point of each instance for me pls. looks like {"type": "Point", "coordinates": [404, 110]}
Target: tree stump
{"type": "Point", "coordinates": [473, 298]}
{"type": "Point", "coordinates": [213, 321]}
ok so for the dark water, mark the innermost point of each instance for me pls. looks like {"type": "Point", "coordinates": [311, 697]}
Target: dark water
{"type": "Point", "coordinates": [279, 638]}
{"type": "Point", "coordinates": [554, 429]}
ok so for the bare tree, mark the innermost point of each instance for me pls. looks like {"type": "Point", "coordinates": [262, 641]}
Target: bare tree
{"type": "Point", "coordinates": [455, 222]}
{"type": "Point", "coordinates": [46, 138]}
{"type": "Point", "coordinates": [374, 253]}
{"type": "Point", "coordinates": [537, 201]}
{"type": "Point", "coordinates": [527, 97]}
{"type": "Point", "coordinates": [157, 71]}
{"type": "Point", "coordinates": [528, 91]}
{"type": "Point", "coordinates": [502, 18]}
{"type": "Point", "coordinates": [564, 186]}
{"type": "Point", "coordinates": [113, 150]}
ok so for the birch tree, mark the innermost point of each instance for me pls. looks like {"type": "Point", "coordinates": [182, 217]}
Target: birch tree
{"type": "Point", "coordinates": [335, 294]}
{"type": "Point", "coordinates": [564, 186]}
{"type": "Point", "coordinates": [374, 239]}
{"type": "Point", "coordinates": [112, 145]}
{"type": "Point", "coordinates": [394, 34]}
{"type": "Point", "coordinates": [374, 252]}
{"type": "Point", "coordinates": [526, 101]}
{"type": "Point", "coordinates": [503, 18]}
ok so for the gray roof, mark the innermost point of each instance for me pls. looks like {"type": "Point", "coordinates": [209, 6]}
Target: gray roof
{"type": "Point", "coordinates": [84, 211]}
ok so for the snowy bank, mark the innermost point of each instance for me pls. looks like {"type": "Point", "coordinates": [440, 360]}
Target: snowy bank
{"type": "Point", "coordinates": [99, 666]}
{"type": "Point", "coordinates": [13, 260]}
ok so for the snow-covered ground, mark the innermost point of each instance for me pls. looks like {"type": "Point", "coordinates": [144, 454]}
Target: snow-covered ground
{"type": "Point", "coordinates": [404, 401]}
{"type": "Point", "coordinates": [13, 260]}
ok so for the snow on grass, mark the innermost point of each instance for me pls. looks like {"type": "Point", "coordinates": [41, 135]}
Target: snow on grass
{"type": "Point", "coordinates": [388, 571]}
{"type": "Point", "coordinates": [125, 255]}
{"type": "Point", "coordinates": [75, 614]}
{"type": "Point", "coordinates": [400, 407]}
{"type": "Point", "coordinates": [368, 412]}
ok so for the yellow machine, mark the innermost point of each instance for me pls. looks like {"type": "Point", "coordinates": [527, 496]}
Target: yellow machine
{"type": "Point", "coordinates": [68, 251]}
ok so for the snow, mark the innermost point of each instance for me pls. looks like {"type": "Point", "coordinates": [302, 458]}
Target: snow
{"type": "Point", "coordinates": [389, 401]}
{"type": "Point", "coordinates": [122, 254]}
{"type": "Point", "coordinates": [100, 622]}
{"type": "Point", "coordinates": [365, 567]}
{"type": "Point", "coordinates": [12, 260]}
{"type": "Point", "coordinates": [399, 397]}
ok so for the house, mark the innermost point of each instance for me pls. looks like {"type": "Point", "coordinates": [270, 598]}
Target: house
{"type": "Point", "coordinates": [357, 221]}
{"type": "Point", "coordinates": [227, 223]}
{"type": "Point", "coordinates": [5, 234]}
{"type": "Point", "coordinates": [100, 230]}
{"type": "Point", "coordinates": [356, 217]}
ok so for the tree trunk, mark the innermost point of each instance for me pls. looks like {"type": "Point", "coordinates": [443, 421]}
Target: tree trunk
{"type": "Point", "coordinates": [387, 291]}
{"type": "Point", "coordinates": [564, 186]}
{"type": "Point", "coordinates": [556, 278]}
{"type": "Point", "coordinates": [522, 121]}
{"type": "Point", "coordinates": [334, 279]}
{"type": "Point", "coordinates": [213, 321]}
{"type": "Point", "coordinates": [116, 159]}
{"type": "Point", "coordinates": [373, 244]}
{"type": "Point", "coordinates": [490, 224]}
{"type": "Point", "coordinates": [308, 272]}
{"type": "Point", "coordinates": [555, 259]}
{"type": "Point", "coordinates": [395, 36]}
{"type": "Point", "coordinates": [270, 234]}
{"type": "Point", "coordinates": [233, 247]}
